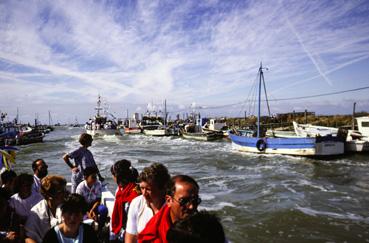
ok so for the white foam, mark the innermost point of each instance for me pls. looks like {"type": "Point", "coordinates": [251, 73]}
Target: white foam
{"type": "Point", "coordinates": [347, 215]}
{"type": "Point", "coordinates": [217, 207]}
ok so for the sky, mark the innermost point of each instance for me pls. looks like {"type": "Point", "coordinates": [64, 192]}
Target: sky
{"type": "Point", "coordinates": [58, 56]}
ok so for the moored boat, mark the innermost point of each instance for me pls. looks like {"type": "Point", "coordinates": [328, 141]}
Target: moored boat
{"type": "Point", "coordinates": [300, 146]}
{"type": "Point", "coordinates": [358, 140]}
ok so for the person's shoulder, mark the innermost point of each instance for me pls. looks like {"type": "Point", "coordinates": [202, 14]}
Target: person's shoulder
{"type": "Point", "coordinates": [81, 185]}
{"type": "Point", "coordinates": [138, 202]}
{"type": "Point", "coordinates": [39, 207]}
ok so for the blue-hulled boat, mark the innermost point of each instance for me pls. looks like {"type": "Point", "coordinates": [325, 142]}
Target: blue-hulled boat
{"type": "Point", "coordinates": [301, 146]}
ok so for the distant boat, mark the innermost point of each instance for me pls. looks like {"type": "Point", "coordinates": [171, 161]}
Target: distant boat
{"type": "Point", "coordinates": [157, 126]}
{"type": "Point", "coordinates": [300, 146]}
{"type": "Point", "coordinates": [100, 125]}
{"type": "Point", "coordinates": [216, 125]}
{"type": "Point", "coordinates": [358, 140]}
{"type": "Point", "coordinates": [196, 132]}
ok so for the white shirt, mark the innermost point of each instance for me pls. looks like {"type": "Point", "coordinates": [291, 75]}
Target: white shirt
{"type": "Point", "coordinates": [40, 220]}
{"type": "Point", "coordinates": [21, 206]}
{"type": "Point", "coordinates": [36, 184]}
{"type": "Point", "coordinates": [139, 214]}
{"type": "Point", "coordinates": [90, 194]}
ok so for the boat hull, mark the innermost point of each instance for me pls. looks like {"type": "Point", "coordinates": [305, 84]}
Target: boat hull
{"type": "Point", "coordinates": [288, 146]}
{"type": "Point", "coordinates": [156, 132]}
{"type": "Point", "coordinates": [357, 146]}
{"type": "Point", "coordinates": [102, 132]}
{"type": "Point", "coordinates": [132, 130]}
{"type": "Point", "coordinates": [202, 136]}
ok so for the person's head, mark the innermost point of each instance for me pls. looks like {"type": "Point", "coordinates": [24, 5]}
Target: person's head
{"type": "Point", "coordinates": [8, 179]}
{"type": "Point", "coordinates": [201, 227]}
{"type": "Point", "coordinates": [53, 188]}
{"type": "Point", "coordinates": [182, 197]}
{"type": "Point", "coordinates": [39, 168]}
{"type": "Point", "coordinates": [154, 181]}
{"type": "Point", "coordinates": [90, 175]}
{"type": "Point", "coordinates": [85, 139]}
{"type": "Point", "coordinates": [123, 172]}
{"type": "Point", "coordinates": [73, 209]}
{"type": "Point", "coordinates": [23, 184]}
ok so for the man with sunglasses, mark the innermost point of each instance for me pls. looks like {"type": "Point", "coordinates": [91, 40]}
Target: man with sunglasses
{"type": "Point", "coordinates": [181, 201]}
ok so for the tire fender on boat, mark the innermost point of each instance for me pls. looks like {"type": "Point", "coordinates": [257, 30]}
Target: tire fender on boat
{"type": "Point", "coordinates": [261, 145]}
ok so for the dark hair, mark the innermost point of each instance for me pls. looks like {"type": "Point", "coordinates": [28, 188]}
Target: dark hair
{"type": "Point", "coordinates": [34, 165]}
{"type": "Point", "coordinates": [124, 172]}
{"type": "Point", "coordinates": [201, 227]}
{"type": "Point", "coordinates": [181, 178]}
{"type": "Point", "coordinates": [22, 179]}
{"type": "Point", "coordinates": [85, 138]}
{"type": "Point", "coordinates": [7, 176]}
{"type": "Point", "coordinates": [51, 185]}
{"type": "Point", "coordinates": [74, 203]}
{"type": "Point", "coordinates": [89, 171]}
{"type": "Point", "coordinates": [156, 174]}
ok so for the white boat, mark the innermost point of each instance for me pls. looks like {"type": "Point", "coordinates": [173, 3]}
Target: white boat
{"type": "Point", "coordinates": [295, 145]}
{"type": "Point", "coordinates": [196, 132]}
{"type": "Point", "coordinates": [358, 140]}
{"type": "Point", "coordinates": [309, 130]}
{"type": "Point", "coordinates": [100, 125]}
{"type": "Point", "coordinates": [216, 125]}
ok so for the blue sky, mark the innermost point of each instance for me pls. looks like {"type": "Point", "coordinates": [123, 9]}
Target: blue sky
{"type": "Point", "coordinates": [58, 55]}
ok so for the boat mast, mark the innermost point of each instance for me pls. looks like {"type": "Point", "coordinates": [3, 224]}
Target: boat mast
{"type": "Point", "coordinates": [98, 107]}
{"type": "Point", "coordinates": [259, 99]}
{"type": "Point", "coordinates": [165, 113]}
{"type": "Point", "coordinates": [353, 117]}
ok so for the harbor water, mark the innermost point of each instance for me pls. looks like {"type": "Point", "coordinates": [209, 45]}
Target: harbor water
{"type": "Point", "coordinates": [259, 198]}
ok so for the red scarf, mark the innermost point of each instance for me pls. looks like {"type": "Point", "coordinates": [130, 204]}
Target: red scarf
{"type": "Point", "coordinates": [156, 229]}
{"type": "Point", "coordinates": [125, 194]}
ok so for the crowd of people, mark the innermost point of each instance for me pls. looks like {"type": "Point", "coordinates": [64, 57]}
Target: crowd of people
{"type": "Point", "coordinates": [150, 206]}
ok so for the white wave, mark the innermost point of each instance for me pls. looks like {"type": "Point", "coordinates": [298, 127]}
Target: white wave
{"type": "Point", "coordinates": [217, 206]}
{"type": "Point", "coordinates": [347, 215]}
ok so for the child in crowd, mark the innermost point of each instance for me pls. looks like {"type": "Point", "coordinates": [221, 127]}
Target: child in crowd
{"type": "Point", "coordinates": [72, 229]}
{"type": "Point", "coordinates": [83, 159]}
{"type": "Point", "coordinates": [126, 178]}
{"type": "Point", "coordinates": [91, 190]}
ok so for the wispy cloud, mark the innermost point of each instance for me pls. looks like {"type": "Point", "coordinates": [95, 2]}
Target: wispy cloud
{"type": "Point", "coordinates": [185, 51]}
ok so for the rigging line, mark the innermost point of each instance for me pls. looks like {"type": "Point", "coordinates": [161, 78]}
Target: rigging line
{"type": "Point", "coordinates": [320, 95]}
{"type": "Point", "coordinates": [280, 99]}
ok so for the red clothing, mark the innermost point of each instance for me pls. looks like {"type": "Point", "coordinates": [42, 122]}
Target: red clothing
{"type": "Point", "coordinates": [157, 228]}
{"type": "Point", "coordinates": [123, 196]}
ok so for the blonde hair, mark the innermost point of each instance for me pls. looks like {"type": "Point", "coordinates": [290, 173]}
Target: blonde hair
{"type": "Point", "coordinates": [51, 185]}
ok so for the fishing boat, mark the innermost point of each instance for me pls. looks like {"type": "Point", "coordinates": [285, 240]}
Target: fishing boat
{"type": "Point", "coordinates": [300, 146]}
{"type": "Point", "coordinates": [100, 125]}
{"type": "Point", "coordinates": [195, 132]}
{"type": "Point", "coordinates": [358, 140]}
{"type": "Point", "coordinates": [309, 130]}
{"type": "Point", "coordinates": [157, 126]}
{"type": "Point", "coordinates": [216, 125]}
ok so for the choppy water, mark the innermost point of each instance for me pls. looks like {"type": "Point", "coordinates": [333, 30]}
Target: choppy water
{"type": "Point", "coordinates": [258, 198]}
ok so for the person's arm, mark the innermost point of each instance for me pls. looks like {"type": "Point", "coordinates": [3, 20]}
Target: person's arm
{"type": "Point", "coordinates": [131, 228]}
{"type": "Point", "coordinates": [129, 238]}
{"type": "Point", "coordinates": [91, 213]}
{"type": "Point", "coordinates": [29, 240]}
{"type": "Point", "coordinates": [66, 159]}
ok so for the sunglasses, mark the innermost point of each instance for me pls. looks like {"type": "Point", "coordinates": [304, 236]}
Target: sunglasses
{"type": "Point", "coordinates": [187, 201]}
